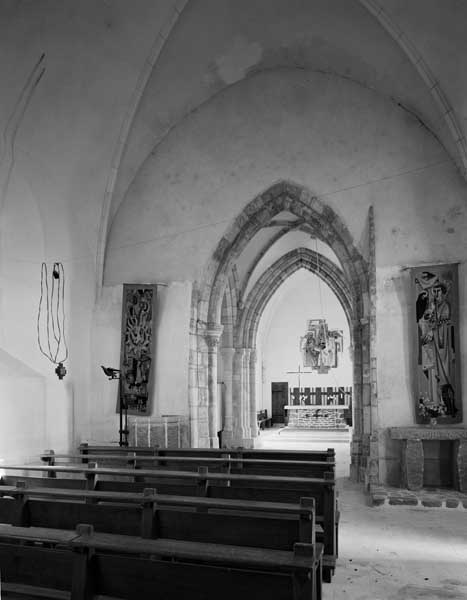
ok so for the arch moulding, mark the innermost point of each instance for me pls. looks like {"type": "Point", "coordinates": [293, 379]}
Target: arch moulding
{"type": "Point", "coordinates": [351, 284]}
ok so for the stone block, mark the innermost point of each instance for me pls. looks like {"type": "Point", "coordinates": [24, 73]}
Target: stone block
{"type": "Point", "coordinates": [403, 500]}
{"type": "Point", "coordinates": [378, 499]}
{"type": "Point", "coordinates": [432, 502]}
{"type": "Point", "coordinates": [452, 503]}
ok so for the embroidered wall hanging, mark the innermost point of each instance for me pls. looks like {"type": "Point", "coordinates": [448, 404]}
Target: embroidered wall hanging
{"type": "Point", "coordinates": [436, 324]}
{"type": "Point", "coordinates": [137, 349]}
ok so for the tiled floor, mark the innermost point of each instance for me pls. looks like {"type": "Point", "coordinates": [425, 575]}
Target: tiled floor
{"type": "Point", "coordinates": [388, 552]}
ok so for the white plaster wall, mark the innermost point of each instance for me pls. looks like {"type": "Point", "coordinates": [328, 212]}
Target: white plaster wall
{"type": "Point", "coordinates": [337, 133]}
{"type": "Point", "coordinates": [348, 145]}
{"type": "Point", "coordinates": [328, 138]}
{"type": "Point", "coordinates": [55, 158]}
{"type": "Point", "coordinates": [243, 38]}
{"type": "Point", "coordinates": [170, 392]}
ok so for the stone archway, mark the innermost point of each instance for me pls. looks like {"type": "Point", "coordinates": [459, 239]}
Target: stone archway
{"type": "Point", "coordinates": [244, 410]}
{"type": "Point", "coordinates": [351, 285]}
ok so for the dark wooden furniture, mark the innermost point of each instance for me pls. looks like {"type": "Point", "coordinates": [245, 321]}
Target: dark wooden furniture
{"type": "Point", "coordinates": [262, 419]}
{"type": "Point", "coordinates": [146, 515]}
{"type": "Point", "coordinates": [81, 565]}
{"type": "Point", "coordinates": [226, 464]}
{"type": "Point", "coordinates": [229, 486]}
{"type": "Point", "coordinates": [86, 448]}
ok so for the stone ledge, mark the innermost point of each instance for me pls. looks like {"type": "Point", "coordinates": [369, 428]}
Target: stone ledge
{"type": "Point", "coordinates": [424, 499]}
{"type": "Point", "coordinates": [427, 432]}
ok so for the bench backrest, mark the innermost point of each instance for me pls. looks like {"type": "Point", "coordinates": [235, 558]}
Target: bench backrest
{"type": "Point", "coordinates": [125, 567]}
{"type": "Point", "coordinates": [258, 530]}
{"type": "Point", "coordinates": [211, 452]}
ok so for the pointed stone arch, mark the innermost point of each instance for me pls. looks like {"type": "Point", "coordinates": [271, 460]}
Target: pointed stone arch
{"type": "Point", "coordinates": [351, 284]}
{"type": "Point", "coordinates": [274, 277]}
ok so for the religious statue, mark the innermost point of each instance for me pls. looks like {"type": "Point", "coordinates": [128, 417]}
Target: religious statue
{"type": "Point", "coordinates": [437, 393]}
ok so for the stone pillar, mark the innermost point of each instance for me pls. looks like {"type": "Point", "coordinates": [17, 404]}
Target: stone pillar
{"type": "Point", "coordinates": [212, 335]}
{"type": "Point", "coordinates": [202, 384]}
{"type": "Point", "coordinates": [237, 412]}
{"type": "Point", "coordinates": [412, 463]}
{"type": "Point", "coordinates": [193, 389]}
{"type": "Point", "coordinates": [253, 419]}
{"type": "Point", "coordinates": [227, 425]}
{"type": "Point", "coordinates": [462, 464]}
{"type": "Point", "coordinates": [247, 440]}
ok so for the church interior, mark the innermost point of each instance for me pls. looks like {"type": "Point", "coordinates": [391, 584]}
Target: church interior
{"type": "Point", "coordinates": [233, 236]}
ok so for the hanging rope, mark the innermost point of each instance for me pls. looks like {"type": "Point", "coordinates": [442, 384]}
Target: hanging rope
{"type": "Point", "coordinates": [51, 326]}
{"type": "Point", "coordinates": [319, 279]}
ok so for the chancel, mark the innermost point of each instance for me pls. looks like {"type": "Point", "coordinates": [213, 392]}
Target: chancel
{"type": "Point", "coordinates": [253, 214]}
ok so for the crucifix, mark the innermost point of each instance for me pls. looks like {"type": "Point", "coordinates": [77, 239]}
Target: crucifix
{"type": "Point", "coordinates": [297, 394]}
{"type": "Point", "coordinates": [299, 372]}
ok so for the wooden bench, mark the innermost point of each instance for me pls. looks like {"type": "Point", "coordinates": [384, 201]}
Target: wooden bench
{"type": "Point", "coordinates": [83, 564]}
{"type": "Point", "coordinates": [219, 485]}
{"type": "Point", "coordinates": [263, 420]}
{"type": "Point", "coordinates": [147, 515]}
{"type": "Point", "coordinates": [226, 464]}
{"type": "Point", "coordinates": [86, 448]}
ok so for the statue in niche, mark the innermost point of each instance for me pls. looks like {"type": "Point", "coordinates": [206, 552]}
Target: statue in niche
{"type": "Point", "coordinates": [438, 381]}
{"type": "Point", "coordinates": [320, 346]}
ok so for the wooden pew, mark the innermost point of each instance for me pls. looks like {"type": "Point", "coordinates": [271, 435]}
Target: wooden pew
{"type": "Point", "coordinates": [226, 464]}
{"type": "Point", "coordinates": [263, 420]}
{"type": "Point", "coordinates": [82, 565]}
{"type": "Point", "coordinates": [229, 486]}
{"type": "Point", "coordinates": [86, 448]}
{"type": "Point", "coordinates": [230, 522]}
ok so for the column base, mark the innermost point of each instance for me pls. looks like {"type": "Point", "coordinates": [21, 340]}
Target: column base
{"type": "Point", "coordinates": [248, 443]}
{"type": "Point", "coordinates": [227, 438]}
{"type": "Point", "coordinates": [214, 442]}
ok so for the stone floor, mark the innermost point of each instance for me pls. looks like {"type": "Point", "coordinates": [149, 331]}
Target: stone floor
{"type": "Point", "coordinates": [390, 551]}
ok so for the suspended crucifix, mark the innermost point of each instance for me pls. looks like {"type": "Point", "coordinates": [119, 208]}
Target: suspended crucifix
{"type": "Point", "coordinates": [321, 346]}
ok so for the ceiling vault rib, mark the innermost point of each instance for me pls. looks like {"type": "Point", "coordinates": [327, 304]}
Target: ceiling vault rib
{"type": "Point", "coordinates": [434, 88]}
{"type": "Point", "coordinates": [154, 53]}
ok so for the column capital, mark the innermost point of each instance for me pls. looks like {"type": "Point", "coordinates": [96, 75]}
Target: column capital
{"type": "Point", "coordinates": [210, 332]}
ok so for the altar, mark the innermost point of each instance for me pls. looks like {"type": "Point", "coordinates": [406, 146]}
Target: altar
{"type": "Point", "coordinates": [316, 417]}
{"type": "Point", "coordinates": [320, 408]}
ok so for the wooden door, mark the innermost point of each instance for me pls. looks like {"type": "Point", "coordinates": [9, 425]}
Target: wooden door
{"type": "Point", "coordinates": [280, 398]}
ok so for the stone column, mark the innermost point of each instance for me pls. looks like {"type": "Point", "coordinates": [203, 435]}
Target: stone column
{"type": "Point", "coordinates": [193, 389]}
{"type": "Point", "coordinates": [412, 464]}
{"type": "Point", "coordinates": [462, 464]}
{"type": "Point", "coordinates": [202, 385]}
{"type": "Point", "coordinates": [253, 420]}
{"type": "Point", "coordinates": [212, 335]}
{"type": "Point", "coordinates": [227, 425]}
{"type": "Point", "coordinates": [246, 398]}
{"type": "Point", "coordinates": [237, 396]}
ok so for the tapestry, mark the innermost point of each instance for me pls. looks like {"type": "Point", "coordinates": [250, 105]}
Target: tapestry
{"type": "Point", "coordinates": [321, 346]}
{"type": "Point", "coordinates": [137, 348]}
{"type": "Point", "coordinates": [436, 322]}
